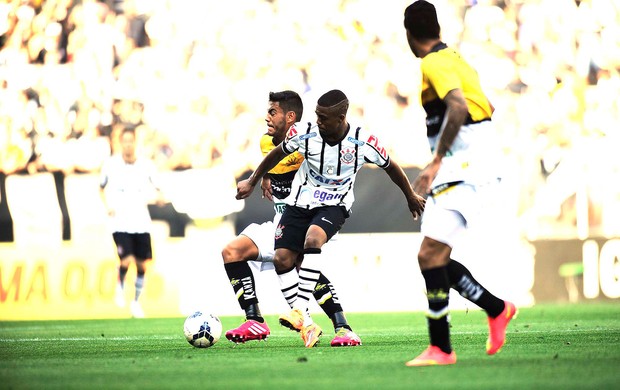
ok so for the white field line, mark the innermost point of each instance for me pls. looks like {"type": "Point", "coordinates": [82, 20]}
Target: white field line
{"type": "Point", "coordinates": [155, 337]}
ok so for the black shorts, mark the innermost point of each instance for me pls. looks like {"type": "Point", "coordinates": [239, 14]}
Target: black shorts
{"type": "Point", "coordinates": [136, 244]}
{"type": "Point", "coordinates": [292, 228]}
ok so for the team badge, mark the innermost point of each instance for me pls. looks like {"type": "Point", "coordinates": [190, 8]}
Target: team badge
{"type": "Point", "coordinates": [347, 156]}
{"type": "Point", "coordinates": [278, 233]}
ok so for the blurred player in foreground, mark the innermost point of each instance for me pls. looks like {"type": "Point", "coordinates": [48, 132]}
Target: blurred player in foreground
{"type": "Point", "coordinates": [256, 242]}
{"type": "Point", "coordinates": [321, 193]}
{"type": "Point", "coordinates": [458, 128]}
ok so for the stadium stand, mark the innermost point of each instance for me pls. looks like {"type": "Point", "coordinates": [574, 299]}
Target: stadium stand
{"type": "Point", "coordinates": [192, 76]}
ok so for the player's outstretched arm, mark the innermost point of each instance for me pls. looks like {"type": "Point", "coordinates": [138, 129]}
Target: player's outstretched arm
{"type": "Point", "coordinates": [265, 185]}
{"type": "Point", "coordinates": [415, 202]}
{"type": "Point", "coordinates": [245, 187]}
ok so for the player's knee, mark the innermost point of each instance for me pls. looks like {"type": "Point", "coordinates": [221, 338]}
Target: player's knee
{"type": "Point", "coordinates": [126, 261]}
{"type": "Point", "coordinates": [314, 242]}
{"type": "Point", "coordinates": [424, 259]}
{"type": "Point", "coordinates": [432, 257]}
{"type": "Point", "coordinates": [239, 250]}
{"type": "Point", "coordinates": [230, 254]}
{"type": "Point", "coordinates": [282, 263]}
{"type": "Point", "coordinates": [140, 267]}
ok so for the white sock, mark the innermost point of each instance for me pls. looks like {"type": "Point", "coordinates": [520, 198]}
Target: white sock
{"type": "Point", "coordinates": [289, 285]}
{"type": "Point", "coordinates": [308, 276]}
{"type": "Point", "coordinates": [139, 286]}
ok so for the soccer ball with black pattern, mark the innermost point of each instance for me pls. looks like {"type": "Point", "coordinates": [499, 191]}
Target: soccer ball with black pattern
{"type": "Point", "coordinates": [202, 330]}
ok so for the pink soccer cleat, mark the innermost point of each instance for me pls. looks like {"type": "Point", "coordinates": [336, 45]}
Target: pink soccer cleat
{"type": "Point", "coordinates": [433, 356]}
{"type": "Point", "coordinates": [346, 338]}
{"type": "Point", "coordinates": [249, 330]}
{"type": "Point", "coordinates": [497, 328]}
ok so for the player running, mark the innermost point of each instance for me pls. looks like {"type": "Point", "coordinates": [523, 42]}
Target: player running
{"type": "Point", "coordinates": [459, 128]}
{"type": "Point", "coordinates": [256, 242]}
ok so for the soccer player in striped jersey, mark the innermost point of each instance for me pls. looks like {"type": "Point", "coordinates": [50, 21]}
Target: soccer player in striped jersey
{"type": "Point", "coordinates": [322, 193]}
{"type": "Point", "coordinates": [256, 242]}
{"type": "Point", "coordinates": [460, 131]}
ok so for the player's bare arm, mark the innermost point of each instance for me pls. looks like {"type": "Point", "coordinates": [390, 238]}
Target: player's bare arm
{"type": "Point", "coordinates": [245, 187]}
{"type": "Point", "coordinates": [415, 202]}
{"type": "Point", "coordinates": [456, 114]}
{"type": "Point", "coordinates": [265, 186]}
{"type": "Point", "coordinates": [110, 211]}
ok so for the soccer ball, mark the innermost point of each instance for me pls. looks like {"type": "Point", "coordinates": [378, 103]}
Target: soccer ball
{"type": "Point", "coordinates": [202, 330]}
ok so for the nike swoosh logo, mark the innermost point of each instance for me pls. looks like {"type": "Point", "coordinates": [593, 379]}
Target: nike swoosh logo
{"type": "Point", "coordinates": [326, 220]}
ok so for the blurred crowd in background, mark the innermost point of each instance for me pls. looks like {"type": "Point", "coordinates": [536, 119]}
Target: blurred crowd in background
{"type": "Point", "coordinates": [193, 77]}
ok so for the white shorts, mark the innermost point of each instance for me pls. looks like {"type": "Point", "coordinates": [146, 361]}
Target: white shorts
{"type": "Point", "coordinates": [448, 215]}
{"type": "Point", "coordinates": [263, 236]}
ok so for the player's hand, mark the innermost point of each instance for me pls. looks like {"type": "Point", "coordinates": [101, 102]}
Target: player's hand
{"type": "Point", "coordinates": [244, 189]}
{"type": "Point", "coordinates": [422, 183]}
{"type": "Point", "coordinates": [265, 185]}
{"type": "Point", "coordinates": [416, 205]}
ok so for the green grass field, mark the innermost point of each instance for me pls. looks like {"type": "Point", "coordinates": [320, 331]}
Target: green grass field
{"type": "Point", "coordinates": [548, 347]}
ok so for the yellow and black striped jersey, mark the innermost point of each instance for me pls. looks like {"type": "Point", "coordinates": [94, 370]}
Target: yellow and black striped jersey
{"type": "Point", "coordinates": [444, 70]}
{"type": "Point", "coordinates": [282, 174]}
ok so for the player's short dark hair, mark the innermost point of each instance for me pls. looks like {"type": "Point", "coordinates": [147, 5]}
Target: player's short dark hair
{"type": "Point", "coordinates": [421, 20]}
{"type": "Point", "coordinates": [288, 101]}
{"type": "Point", "coordinates": [331, 98]}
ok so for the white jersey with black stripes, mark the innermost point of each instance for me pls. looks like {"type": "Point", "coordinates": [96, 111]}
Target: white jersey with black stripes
{"type": "Point", "coordinates": [327, 174]}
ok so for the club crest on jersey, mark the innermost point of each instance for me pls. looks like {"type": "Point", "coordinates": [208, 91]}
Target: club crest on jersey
{"type": "Point", "coordinates": [347, 156]}
{"type": "Point", "coordinates": [279, 232]}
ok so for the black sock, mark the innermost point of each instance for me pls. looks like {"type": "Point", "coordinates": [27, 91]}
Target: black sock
{"type": "Point", "coordinates": [340, 321]}
{"type": "Point", "coordinates": [326, 297]}
{"type": "Point", "coordinates": [242, 282]}
{"type": "Point", "coordinates": [437, 293]}
{"type": "Point", "coordinates": [462, 281]}
{"type": "Point", "coordinates": [252, 312]}
{"type": "Point", "coordinates": [122, 273]}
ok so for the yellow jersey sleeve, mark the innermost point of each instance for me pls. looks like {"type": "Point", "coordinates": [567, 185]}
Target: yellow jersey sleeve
{"type": "Point", "coordinates": [444, 71]}
{"type": "Point", "coordinates": [289, 163]}
{"type": "Point", "coordinates": [281, 175]}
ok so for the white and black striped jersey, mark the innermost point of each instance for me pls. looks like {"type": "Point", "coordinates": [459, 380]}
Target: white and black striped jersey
{"type": "Point", "coordinates": [327, 174]}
